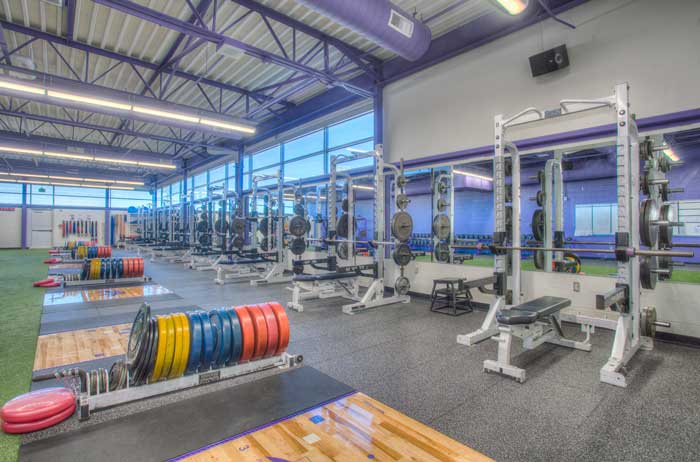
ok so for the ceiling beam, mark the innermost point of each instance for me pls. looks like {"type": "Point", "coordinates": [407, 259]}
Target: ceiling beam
{"type": "Point", "coordinates": [157, 17]}
{"type": "Point", "coordinates": [70, 43]}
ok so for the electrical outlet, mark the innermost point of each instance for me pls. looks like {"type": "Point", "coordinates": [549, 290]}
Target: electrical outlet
{"type": "Point", "coordinates": [577, 286]}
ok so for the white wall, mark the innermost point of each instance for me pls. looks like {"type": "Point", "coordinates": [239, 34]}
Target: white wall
{"type": "Point", "coordinates": [11, 235]}
{"type": "Point", "coordinates": [651, 44]}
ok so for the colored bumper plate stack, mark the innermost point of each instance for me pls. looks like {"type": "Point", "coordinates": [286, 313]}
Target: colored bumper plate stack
{"type": "Point", "coordinates": [37, 410]}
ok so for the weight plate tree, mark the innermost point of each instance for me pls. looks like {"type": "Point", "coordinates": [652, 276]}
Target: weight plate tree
{"type": "Point", "coordinates": [402, 230]}
{"type": "Point", "coordinates": [443, 197]}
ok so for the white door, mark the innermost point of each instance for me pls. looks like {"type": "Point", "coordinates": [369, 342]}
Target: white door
{"type": "Point", "coordinates": [41, 225]}
{"type": "Point", "coordinates": [11, 219]}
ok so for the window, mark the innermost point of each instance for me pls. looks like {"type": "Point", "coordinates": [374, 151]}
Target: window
{"type": "Point", "coordinates": [67, 196]}
{"type": "Point", "coordinates": [41, 195]}
{"type": "Point", "coordinates": [688, 213]}
{"type": "Point", "coordinates": [217, 174]}
{"type": "Point", "coordinates": [122, 199]}
{"type": "Point", "coordinates": [353, 164]}
{"type": "Point", "coordinates": [595, 219]}
{"type": "Point", "coordinates": [351, 130]}
{"type": "Point", "coordinates": [11, 193]}
{"type": "Point", "coordinates": [308, 144]}
{"type": "Point", "coordinates": [266, 158]}
{"type": "Point", "coordinates": [176, 193]}
{"type": "Point", "coordinates": [199, 186]}
{"type": "Point", "coordinates": [231, 177]}
{"type": "Point", "coordinates": [268, 171]}
{"type": "Point", "coordinates": [304, 168]}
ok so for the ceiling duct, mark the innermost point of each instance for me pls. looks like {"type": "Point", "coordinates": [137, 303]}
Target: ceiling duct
{"type": "Point", "coordinates": [381, 21]}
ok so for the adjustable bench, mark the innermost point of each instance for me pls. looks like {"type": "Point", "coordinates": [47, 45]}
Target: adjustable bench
{"type": "Point", "coordinates": [535, 322]}
{"type": "Point", "coordinates": [324, 276]}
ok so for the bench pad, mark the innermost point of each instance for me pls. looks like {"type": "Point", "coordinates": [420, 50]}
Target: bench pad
{"type": "Point", "coordinates": [529, 312]}
{"type": "Point", "coordinates": [323, 277]}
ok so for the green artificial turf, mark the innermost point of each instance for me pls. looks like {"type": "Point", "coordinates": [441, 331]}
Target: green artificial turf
{"type": "Point", "coordinates": [20, 311]}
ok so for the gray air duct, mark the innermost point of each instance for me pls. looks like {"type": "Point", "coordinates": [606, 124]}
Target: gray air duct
{"type": "Point", "coordinates": [380, 21]}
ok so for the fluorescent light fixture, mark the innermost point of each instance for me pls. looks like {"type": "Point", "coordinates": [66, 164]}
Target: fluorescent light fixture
{"type": "Point", "coordinates": [88, 100]}
{"type": "Point", "coordinates": [77, 185]}
{"type": "Point", "coordinates": [357, 186]}
{"type": "Point", "coordinates": [228, 126]}
{"type": "Point", "coordinates": [473, 175]}
{"type": "Point", "coordinates": [152, 164]}
{"type": "Point", "coordinates": [115, 161]}
{"type": "Point", "coordinates": [66, 155]}
{"type": "Point", "coordinates": [671, 154]}
{"type": "Point", "coordinates": [31, 175]}
{"type": "Point", "coordinates": [22, 88]}
{"type": "Point", "coordinates": [20, 150]}
{"type": "Point", "coordinates": [512, 7]}
{"type": "Point", "coordinates": [166, 114]}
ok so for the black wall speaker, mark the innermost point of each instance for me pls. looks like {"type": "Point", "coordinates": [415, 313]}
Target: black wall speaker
{"type": "Point", "coordinates": [549, 61]}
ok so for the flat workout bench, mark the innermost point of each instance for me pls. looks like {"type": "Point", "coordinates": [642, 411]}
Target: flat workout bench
{"type": "Point", "coordinates": [535, 322]}
{"type": "Point", "coordinates": [243, 261]}
{"type": "Point", "coordinates": [532, 311]}
{"type": "Point", "coordinates": [324, 277]}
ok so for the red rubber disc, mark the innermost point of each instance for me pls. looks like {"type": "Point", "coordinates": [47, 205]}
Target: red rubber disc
{"type": "Point", "coordinates": [283, 325]}
{"type": "Point", "coordinates": [141, 267]}
{"type": "Point", "coordinates": [248, 333]}
{"type": "Point", "coordinates": [127, 265]}
{"type": "Point", "coordinates": [27, 427]}
{"type": "Point", "coordinates": [260, 326]}
{"type": "Point", "coordinates": [272, 329]}
{"type": "Point", "coordinates": [37, 405]}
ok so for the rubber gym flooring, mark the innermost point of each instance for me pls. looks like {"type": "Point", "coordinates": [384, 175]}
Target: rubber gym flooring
{"type": "Point", "coordinates": [407, 358]}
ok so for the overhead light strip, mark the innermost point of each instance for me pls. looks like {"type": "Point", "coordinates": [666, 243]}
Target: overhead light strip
{"type": "Point", "coordinates": [121, 106]}
{"type": "Point", "coordinates": [68, 155]}
{"type": "Point", "coordinates": [74, 178]}
{"type": "Point", "coordinates": [53, 183]}
{"type": "Point", "coordinates": [473, 175]}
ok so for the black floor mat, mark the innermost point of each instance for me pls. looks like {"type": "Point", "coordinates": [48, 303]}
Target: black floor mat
{"type": "Point", "coordinates": [181, 427]}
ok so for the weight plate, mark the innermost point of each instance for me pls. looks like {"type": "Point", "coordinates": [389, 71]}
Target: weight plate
{"type": "Point", "coordinates": [272, 329]}
{"type": "Point", "coordinates": [667, 213]}
{"type": "Point", "coordinates": [236, 336]}
{"type": "Point", "coordinates": [297, 246]}
{"type": "Point", "coordinates": [138, 333]}
{"type": "Point", "coordinates": [226, 337]}
{"type": "Point", "coordinates": [263, 226]}
{"type": "Point", "coordinates": [207, 341]}
{"type": "Point", "coordinates": [204, 240]}
{"type": "Point", "coordinates": [574, 263]}
{"type": "Point", "coordinates": [648, 324]}
{"type": "Point", "coordinates": [341, 226]}
{"type": "Point", "coordinates": [37, 405]}
{"type": "Point", "coordinates": [345, 205]}
{"type": "Point", "coordinates": [441, 205]}
{"type": "Point", "coordinates": [666, 263]}
{"type": "Point", "coordinates": [260, 327]}
{"type": "Point", "coordinates": [169, 346]}
{"type": "Point", "coordinates": [541, 198]}
{"type": "Point", "coordinates": [202, 227]}
{"type": "Point", "coordinates": [185, 356]}
{"type": "Point", "coordinates": [441, 227]}
{"type": "Point", "coordinates": [85, 271]}
{"type": "Point", "coordinates": [103, 268]}
{"type": "Point", "coordinates": [238, 226]}
{"type": "Point", "coordinates": [16, 428]}
{"type": "Point", "coordinates": [195, 354]}
{"type": "Point", "coordinates": [238, 242]}
{"type": "Point", "coordinates": [648, 231]}
{"type": "Point", "coordinates": [299, 210]}
{"type": "Point", "coordinates": [248, 333]}
{"type": "Point", "coordinates": [141, 361]}
{"type": "Point", "coordinates": [442, 252]}
{"type": "Point", "coordinates": [402, 254]}
{"type": "Point", "coordinates": [539, 259]}
{"type": "Point", "coordinates": [541, 177]}
{"type": "Point", "coordinates": [402, 226]}
{"type": "Point", "coordinates": [221, 226]}
{"type": "Point", "coordinates": [647, 271]}
{"type": "Point", "coordinates": [267, 244]}
{"type": "Point", "coordinates": [177, 354]}
{"type": "Point", "coordinates": [160, 354]}
{"type": "Point", "coordinates": [402, 201]}
{"type": "Point", "coordinates": [282, 325]}
{"type": "Point", "coordinates": [402, 181]}
{"type": "Point", "coordinates": [538, 224]}
{"type": "Point", "coordinates": [120, 269]}
{"type": "Point", "coordinates": [646, 149]}
{"type": "Point", "coordinates": [117, 375]}
{"type": "Point", "coordinates": [297, 226]}
{"type": "Point", "coordinates": [342, 249]}
{"type": "Point", "coordinates": [402, 285]}
{"type": "Point", "coordinates": [442, 187]}
{"type": "Point", "coordinates": [152, 351]}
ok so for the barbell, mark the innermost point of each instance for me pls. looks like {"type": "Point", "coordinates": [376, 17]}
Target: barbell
{"type": "Point", "coordinates": [630, 252]}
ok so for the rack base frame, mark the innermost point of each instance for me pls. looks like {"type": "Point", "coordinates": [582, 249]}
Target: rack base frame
{"type": "Point", "coordinates": [102, 282]}
{"type": "Point", "coordinates": [90, 403]}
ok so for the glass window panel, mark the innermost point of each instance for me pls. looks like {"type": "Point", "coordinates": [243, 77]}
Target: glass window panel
{"type": "Point", "coordinates": [199, 180]}
{"type": "Point", "coordinates": [246, 181]}
{"type": "Point", "coordinates": [41, 194]}
{"type": "Point", "coordinates": [351, 130]}
{"type": "Point", "coordinates": [217, 174]}
{"type": "Point", "coordinates": [354, 164]}
{"type": "Point", "coordinates": [267, 157]}
{"type": "Point", "coordinates": [124, 199]}
{"type": "Point", "coordinates": [11, 193]}
{"type": "Point", "coordinates": [583, 220]}
{"type": "Point", "coordinates": [304, 168]}
{"type": "Point", "coordinates": [267, 171]}
{"type": "Point", "coordinates": [602, 219]}
{"type": "Point", "coordinates": [308, 144]}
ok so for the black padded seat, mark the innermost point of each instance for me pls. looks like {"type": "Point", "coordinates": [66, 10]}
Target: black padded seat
{"type": "Point", "coordinates": [529, 312]}
{"type": "Point", "coordinates": [323, 277]}
{"type": "Point", "coordinates": [243, 261]}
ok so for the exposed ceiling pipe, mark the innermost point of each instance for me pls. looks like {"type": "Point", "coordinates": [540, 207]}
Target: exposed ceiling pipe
{"type": "Point", "coordinates": [381, 21]}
